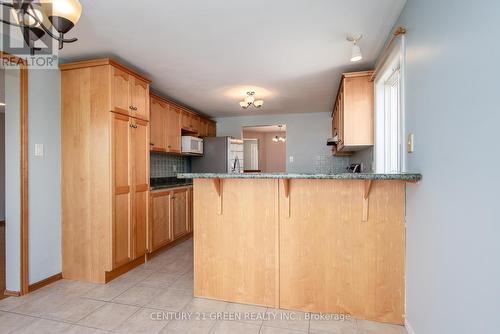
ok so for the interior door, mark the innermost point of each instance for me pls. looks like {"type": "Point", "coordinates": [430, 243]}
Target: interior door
{"type": "Point", "coordinates": [120, 91]}
{"type": "Point", "coordinates": [158, 126]}
{"type": "Point", "coordinates": [139, 96]}
{"type": "Point", "coordinates": [180, 212]}
{"type": "Point", "coordinates": [173, 127]}
{"type": "Point", "coordinates": [121, 236]}
{"type": "Point", "coordinates": [140, 146]}
{"type": "Point", "coordinates": [161, 225]}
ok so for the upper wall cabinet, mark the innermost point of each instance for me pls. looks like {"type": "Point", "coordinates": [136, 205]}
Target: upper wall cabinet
{"type": "Point", "coordinates": [352, 116]}
{"type": "Point", "coordinates": [165, 126]}
{"type": "Point", "coordinates": [169, 121]}
{"type": "Point", "coordinates": [129, 93]}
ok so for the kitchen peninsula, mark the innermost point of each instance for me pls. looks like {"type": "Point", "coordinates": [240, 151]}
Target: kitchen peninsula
{"type": "Point", "coordinates": [331, 243]}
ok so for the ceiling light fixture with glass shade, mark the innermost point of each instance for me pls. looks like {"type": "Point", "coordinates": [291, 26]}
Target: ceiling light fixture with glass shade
{"type": "Point", "coordinates": [279, 139]}
{"type": "Point", "coordinates": [355, 51]}
{"type": "Point", "coordinates": [250, 100]}
{"type": "Point", "coordinates": [36, 18]}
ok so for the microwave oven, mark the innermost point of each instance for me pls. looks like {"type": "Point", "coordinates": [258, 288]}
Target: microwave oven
{"type": "Point", "coordinates": [191, 145]}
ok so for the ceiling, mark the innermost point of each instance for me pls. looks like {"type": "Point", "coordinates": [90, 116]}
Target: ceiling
{"type": "Point", "coordinates": [207, 54]}
{"type": "Point", "coordinates": [265, 128]}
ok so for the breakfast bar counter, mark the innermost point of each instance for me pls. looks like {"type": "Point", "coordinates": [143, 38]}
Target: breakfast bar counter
{"type": "Point", "coordinates": [329, 243]}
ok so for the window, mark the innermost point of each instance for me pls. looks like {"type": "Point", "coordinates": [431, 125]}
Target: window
{"type": "Point", "coordinates": [389, 114]}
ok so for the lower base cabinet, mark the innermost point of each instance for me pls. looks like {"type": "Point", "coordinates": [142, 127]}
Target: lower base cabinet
{"type": "Point", "coordinates": [171, 214]}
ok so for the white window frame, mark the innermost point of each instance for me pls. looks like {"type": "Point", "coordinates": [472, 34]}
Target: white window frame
{"type": "Point", "coordinates": [390, 71]}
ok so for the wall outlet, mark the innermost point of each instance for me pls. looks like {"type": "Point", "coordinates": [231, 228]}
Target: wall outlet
{"type": "Point", "coordinates": [38, 150]}
{"type": "Point", "coordinates": [410, 143]}
{"type": "Point", "coordinates": [174, 168]}
{"type": "Point", "coordinates": [290, 158]}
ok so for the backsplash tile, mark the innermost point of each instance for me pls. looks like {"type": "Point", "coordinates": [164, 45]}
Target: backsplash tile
{"type": "Point", "coordinates": [162, 165]}
{"type": "Point", "coordinates": [328, 164]}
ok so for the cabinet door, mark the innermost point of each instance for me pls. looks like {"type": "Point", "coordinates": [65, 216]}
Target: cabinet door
{"type": "Point", "coordinates": [173, 127]}
{"type": "Point", "coordinates": [140, 155]}
{"type": "Point", "coordinates": [212, 131]}
{"type": "Point", "coordinates": [185, 120]}
{"type": "Point", "coordinates": [121, 236]}
{"type": "Point", "coordinates": [120, 94]}
{"type": "Point", "coordinates": [180, 212]}
{"type": "Point", "coordinates": [139, 98]}
{"type": "Point", "coordinates": [202, 127]}
{"type": "Point", "coordinates": [161, 225]}
{"type": "Point", "coordinates": [157, 126]}
{"type": "Point", "coordinates": [195, 124]}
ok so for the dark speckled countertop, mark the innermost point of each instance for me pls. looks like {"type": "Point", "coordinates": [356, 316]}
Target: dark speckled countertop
{"type": "Point", "coordinates": [410, 177]}
{"type": "Point", "coordinates": [158, 183]}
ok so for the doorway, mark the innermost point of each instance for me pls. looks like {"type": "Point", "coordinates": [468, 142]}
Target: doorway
{"type": "Point", "coordinates": [2, 183]}
{"type": "Point", "coordinates": [14, 244]}
{"type": "Point", "coordinates": [264, 148]}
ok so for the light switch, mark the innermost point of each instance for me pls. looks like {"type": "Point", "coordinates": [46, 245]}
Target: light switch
{"type": "Point", "coordinates": [38, 150]}
{"type": "Point", "coordinates": [410, 143]}
{"type": "Point", "coordinates": [291, 158]}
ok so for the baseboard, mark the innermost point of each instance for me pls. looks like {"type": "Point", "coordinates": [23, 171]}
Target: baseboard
{"type": "Point", "coordinates": [408, 327]}
{"type": "Point", "coordinates": [12, 293]}
{"type": "Point", "coordinates": [44, 282]}
{"type": "Point", "coordinates": [160, 250]}
{"type": "Point", "coordinates": [111, 275]}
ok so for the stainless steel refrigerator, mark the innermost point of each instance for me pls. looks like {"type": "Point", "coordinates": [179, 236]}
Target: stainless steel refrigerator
{"type": "Point", "coordinates": [220, 155]}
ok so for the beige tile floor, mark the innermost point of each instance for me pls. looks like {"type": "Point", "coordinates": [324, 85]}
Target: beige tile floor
{"type": "Point", "coordinates": [146, 299]}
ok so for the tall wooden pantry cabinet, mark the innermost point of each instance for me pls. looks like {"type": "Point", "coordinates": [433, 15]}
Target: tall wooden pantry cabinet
{"type": "Point", "coordinates": [104, 169]}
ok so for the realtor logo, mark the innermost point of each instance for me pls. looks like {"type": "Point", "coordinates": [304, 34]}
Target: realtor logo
{"type": "Point", "coordinates": [25, 37]}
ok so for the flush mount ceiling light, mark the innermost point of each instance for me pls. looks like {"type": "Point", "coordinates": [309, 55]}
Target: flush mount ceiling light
{"type": "Point", "coordinates": [36, 18]}
{"type": "Point", "coordinates": [250, 100]}
{"type": "Point", "coordinates": [356, 51]}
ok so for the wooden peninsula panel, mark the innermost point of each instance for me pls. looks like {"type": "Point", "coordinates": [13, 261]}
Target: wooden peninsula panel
{"type": "Point", "coordinates": [331, 260]}
{"type": "Point", "coordinates": [236, 240]}
{"type": "Point", "coordinates": [315, 245]}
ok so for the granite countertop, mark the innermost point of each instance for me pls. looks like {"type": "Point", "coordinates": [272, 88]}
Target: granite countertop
{"type": "Point", "coordinates": [158, 183]}
{"type": "Point", "coordinates": [411, 177]}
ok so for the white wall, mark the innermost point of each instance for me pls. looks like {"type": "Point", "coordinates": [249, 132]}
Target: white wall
{"type": "Point", "coordinates": [12, 180]}
{"type": "Point", "coordinates": [306, 135]}
{"type": "Point", "coordinates": [44, 175]}
{"type": "Point", "coordinates": [453, 226]}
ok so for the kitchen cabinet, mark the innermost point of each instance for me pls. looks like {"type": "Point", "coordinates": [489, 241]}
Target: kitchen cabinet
{"type": "Point", "coordinates": [173, 129]}
{"type": "Point", "coordinates": [180, 213]}
{"type": "Point", "coordinates": [159, 114]}
{"type": "Point", "coordinates": [161, 224]}
{"type": "Point", "coordinates": [211, 129]}
{"type": "Point", "coordinates": [129, 94]}
{"type": "Point", "coordinates": [352, 118]}
{"type": "Point", "coordinates": [104, 169]}
{"type": "Point", "coordinates": [171, 216]}
{"type": "Point", "coordinates": [168, 121]}
{"type": "Point", "coordinates": [165, 126]}
{"type": "Point", "coordinates": [189, 121]}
